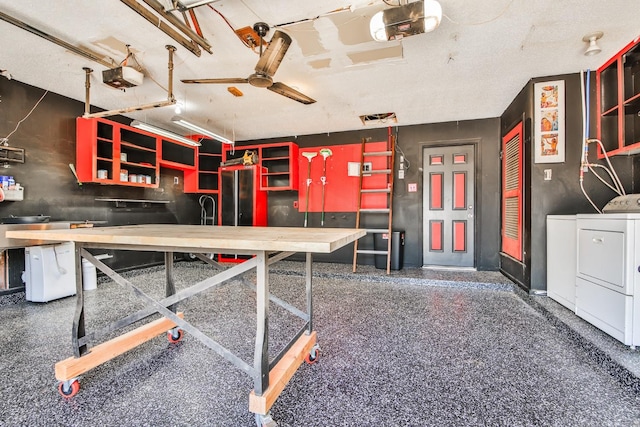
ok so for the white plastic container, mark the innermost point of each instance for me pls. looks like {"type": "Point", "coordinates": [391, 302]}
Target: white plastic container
{"type": "Point", "coordinates": [89, 273]}
{"type": "Point", "coordinates": [49, 272]}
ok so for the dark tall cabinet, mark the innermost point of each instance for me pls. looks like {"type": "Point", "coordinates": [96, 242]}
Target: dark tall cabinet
{"type": "Point", "coordinates": [242, 202]}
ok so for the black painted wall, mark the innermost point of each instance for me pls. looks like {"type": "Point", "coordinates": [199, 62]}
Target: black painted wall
{"type": "Point", "coordinates": [407, 207]}
{"type": "Point", "coordinates": [48, 137]}
{"type": "Point", "coordinates": [562, 194]}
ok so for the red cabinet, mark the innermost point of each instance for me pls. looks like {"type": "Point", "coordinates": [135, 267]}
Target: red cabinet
{"type": "Point", "coordinates": [204, 179]}
{"type": "Point", "coordinates": [618, 82]}
{"type": "Point", "coordinates": [279, 160]}
{"type": "Point", "coordinates": [108, 152]}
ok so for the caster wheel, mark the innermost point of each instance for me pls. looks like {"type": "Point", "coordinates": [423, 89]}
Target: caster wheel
{"type": "Point", "coordinates": [175, 336]}
{"type": "Point", "coordinates": [313, 356]}
{"type": "Point", "coordinates": [68, 392]}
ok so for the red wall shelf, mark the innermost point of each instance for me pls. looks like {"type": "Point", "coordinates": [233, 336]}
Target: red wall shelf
{"type": "Point", "coordinates": [618, 82]}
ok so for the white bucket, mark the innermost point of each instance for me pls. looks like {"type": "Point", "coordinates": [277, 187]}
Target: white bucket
{"type": "Point", "coordinates": [89, 273]}
{"type": "Point", "coordinates": [89, 276]}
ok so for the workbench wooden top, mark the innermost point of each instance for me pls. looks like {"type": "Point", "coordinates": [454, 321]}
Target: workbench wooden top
{"type": "Point", "coordinates": [205, 237]}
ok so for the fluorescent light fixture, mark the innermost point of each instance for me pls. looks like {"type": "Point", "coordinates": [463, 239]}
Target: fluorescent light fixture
{"type": "Point", "coordinates": [418, 17]}
{"type": "Point", "coordinates": [163, 132]}
{"type": "Point", "coordinates": [199, 130]}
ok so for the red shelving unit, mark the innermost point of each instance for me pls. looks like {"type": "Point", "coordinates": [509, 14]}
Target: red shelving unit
{"type": "Point", "coordinates": [618, 82]}
{"type": "Point", "coordinates": [112, 153]}
{"type": "Point", "coordinates": [280, 161]}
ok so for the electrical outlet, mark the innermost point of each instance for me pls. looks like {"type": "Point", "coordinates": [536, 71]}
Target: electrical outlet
{"type": "Point", "coordinates": [176, 180]}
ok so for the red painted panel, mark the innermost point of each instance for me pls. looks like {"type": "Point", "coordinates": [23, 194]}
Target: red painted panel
{"type": "Point", "coordinates": [512, 246]}
{"type": "Point", "coordinates": [341, 190]}
{"type": "Point", "coordinates": [459, 236]}
{"type": "Point", "coordinates": [436, 191]}
{"type": "Point", "coordinates": [459, 190]}
{"type": "Point", "coordinates": [459, 159]}
{"type": "Point", "coordinates": [436, 160]}
{"type": "Point", "coordinates": [436, 235]}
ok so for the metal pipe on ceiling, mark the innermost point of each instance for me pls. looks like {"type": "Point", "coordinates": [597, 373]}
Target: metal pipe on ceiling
{"type": "Point", "coordinates": [84, 52]}
{"type": "Point", "coordinates": [196, 24]}
{"type": "Point", "coordinates": [155, 5]}
{"type": "Point", "coordinates": [87, 89]}
{"type": "Point", "coordinates": [163, 26]}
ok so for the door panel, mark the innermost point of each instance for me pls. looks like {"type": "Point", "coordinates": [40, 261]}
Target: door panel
{"type": "Point", "coordinates": [448, 203]}
{"type": "Point", "coordinates": [512, 193]}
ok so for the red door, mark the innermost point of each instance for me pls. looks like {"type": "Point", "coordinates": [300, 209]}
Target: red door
{"type": "Point", "coordinates": [512, 193]}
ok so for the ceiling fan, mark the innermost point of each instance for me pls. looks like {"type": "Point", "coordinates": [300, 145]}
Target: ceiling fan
{"type": "Point", "coordinates": [266, 67]}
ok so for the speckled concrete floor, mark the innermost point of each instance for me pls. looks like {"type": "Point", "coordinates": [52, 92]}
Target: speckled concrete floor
{"type": "Point", "coordinates": [416, 348]}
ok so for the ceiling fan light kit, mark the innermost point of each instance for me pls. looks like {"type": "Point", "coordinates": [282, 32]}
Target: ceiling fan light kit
{"type": "Point", "coordinates": [163, 132]}
{"type": "Point", "coordinates": [592, 39]}
{"type": "Point", "coordinates": [199, 130]}
{"type": "Point", "coordinates": [407, 20]}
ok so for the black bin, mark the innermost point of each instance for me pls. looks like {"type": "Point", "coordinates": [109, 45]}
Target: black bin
{"type": "Point", "coordinates": [380, 241]}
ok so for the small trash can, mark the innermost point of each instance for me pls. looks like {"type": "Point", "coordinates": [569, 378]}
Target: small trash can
{"type": "Point", "coordinates": [90, 274]}
{"type": "Point", "coordinates": [380, 241]}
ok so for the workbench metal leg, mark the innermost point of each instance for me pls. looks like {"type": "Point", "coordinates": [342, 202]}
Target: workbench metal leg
{"type": "Point", "coordinates": [170, 287]}
{"type": "Point", "coordinates": [175, 334]}
{"type": "Point", "coordinates": [261, 352]}
{"type": "Point", "coordinates": [308, 283]}
{"type": "Point", "coordinates": [78, 328]}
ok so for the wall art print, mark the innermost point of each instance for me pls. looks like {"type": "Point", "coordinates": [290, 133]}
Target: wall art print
{"type": "Point", "coordinates": [549, 133]}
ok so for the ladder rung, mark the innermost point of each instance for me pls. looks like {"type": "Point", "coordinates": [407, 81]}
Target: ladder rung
{"type": "Point", "coordinates": [376, 190]}
{"type": "Point", "coordinates": [376, 153]}
{"type": "Point", "coordinates": [376, 171]}
{"type": "Point", "coordinates": [375, 210]}
{"type": "Point", "coordinates": [377, 230]}
{"type": "Point", "coordinates": [370, 251]}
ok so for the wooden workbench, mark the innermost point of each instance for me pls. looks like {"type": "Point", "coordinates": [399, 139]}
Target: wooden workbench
{"type": "Point", "coordinates": [267, 245]}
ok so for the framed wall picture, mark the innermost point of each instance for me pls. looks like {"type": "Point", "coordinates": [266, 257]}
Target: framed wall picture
{"type": "Point", "coordinates": [549, 134]}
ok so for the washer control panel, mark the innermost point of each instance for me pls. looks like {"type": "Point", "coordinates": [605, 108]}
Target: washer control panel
{"type": "Point", "coordinates": [622, 204]}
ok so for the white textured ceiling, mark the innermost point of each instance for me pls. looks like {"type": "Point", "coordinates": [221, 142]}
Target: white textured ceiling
{"type": "Point", "coordinates": [471, 67]}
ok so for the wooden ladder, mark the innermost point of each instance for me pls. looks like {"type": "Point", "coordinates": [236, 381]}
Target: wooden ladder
{"type": "Point", "coordinates": [373, 214]}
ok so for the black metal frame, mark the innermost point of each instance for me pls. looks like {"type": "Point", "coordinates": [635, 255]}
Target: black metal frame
{"type": "Point", "coordinates": [167, 306]}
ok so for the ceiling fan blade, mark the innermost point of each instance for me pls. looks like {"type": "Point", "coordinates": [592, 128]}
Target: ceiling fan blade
{"type": "Point", "coordinates": [272, 57]}
{"type": "Point", "coordinates": [223, 80]}
{"type": "Point", "coordinates": [289, 92]}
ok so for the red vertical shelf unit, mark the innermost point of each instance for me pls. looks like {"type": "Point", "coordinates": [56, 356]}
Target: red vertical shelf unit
{"type": "Point", "coordinates": [205, 178]}
{"type": "Point", "coordinates": [618, 100]}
